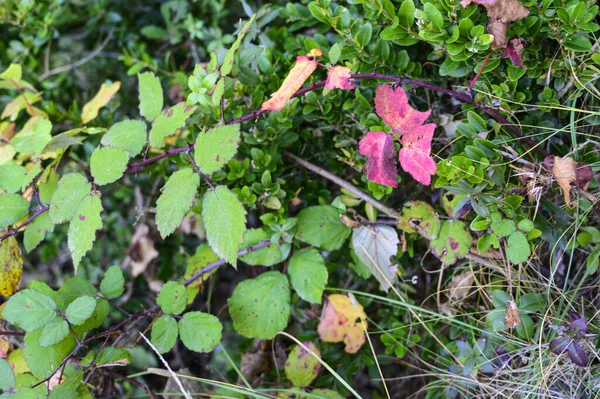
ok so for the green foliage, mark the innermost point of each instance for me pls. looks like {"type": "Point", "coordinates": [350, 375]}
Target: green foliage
{"type": "Point", "coordinates": [172, 298]}
{"type": "Point", "coordinates": [151, 95]}
{"type": "Point", "coordinates": [176, 199]}
{"type": "Point", "coordinates": [164, 333]}
{"type": "Point", "coordinates": [216, 147]}
{"type": "Point", "coordinates": [168, 122]}
{"type": "Point", "coordinates": [107, 164]}
{"type": "Point", "coordinates": [321, 226]}
{"type": "Point", "coordinates": [113, 283]}
{"type": "Point", "coordinates": [30, 310]}
{"type": "Point", "coordinates": [200, 332]}
{"type": "Point", "coordinates": [308, 274]}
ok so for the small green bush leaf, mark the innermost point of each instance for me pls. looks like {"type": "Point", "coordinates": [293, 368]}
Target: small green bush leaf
{"type": "Point", "coordinates": [107, 164]}
{"type": "Point", "coordinates": [164, 333]}
{"type": "Point", "coordinates": [71, 189]}
{"type": "Point", "coordinates": [321, 226]}
{"type": "Point", "coordinates": [225, 222]}
{"type": "Point", "coordinates": [129, 135]}
{"type": "Point", "coordinates": [260, 307]}
{"type": "Point", "coordinates": [13, 208]}
{"type": "Point", "coordinates": [578, 42]}
{"type": "Point", "coordinates": [113, 283]}
{"type": "Point", "coordinates": [30, 310]}
{"type": "Point", "coordinates": [80, 310]}
{"type": "Point", "coordinates": [12, 177]}
{"type": "Point", "coordinates": [167, 123]}
{"type": "Point", "coordinates": [216, 147]}
{"type": "Point", "coordinates": [151, 95]}
{"type": "Point", "coordinates": [308, 274]}
{"type": "Point", "coordinates": [83, 227]}
{"type": "Point", "coordinates": [518, 248]}
{"type": "Point", "coordinates": [176, 199]}
{"type": "Point", "coordinates": [301, 366]}
{"type": "Point", "coordinates": [54, 332]}
{"type": "Point", "coordinates": [406, 14]}
{"type": "Point", "coordinates": [172, 298]}
{"type": "Point", "coordinates": [200, 332]}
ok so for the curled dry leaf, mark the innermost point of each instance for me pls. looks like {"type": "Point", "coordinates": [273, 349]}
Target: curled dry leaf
{"type": "Point", "coordinates": [567, 171]}
{"type": "Point", "coordinates": [142, 250]}
{"type": "Point", "coordinates": [512, 319]}
{"type": "Point", "coordinates": [339, 78]}
{"type": "Point", "coordinates": [301, 71]}
{"type": "Point", "coordinates": [460, 285]}
{"type": "Point", "coordinates": [500, 13]}
{"type": "Point", "coordinates": [341, 321]}
{"type": "Point", "coordinates": [514, 51]}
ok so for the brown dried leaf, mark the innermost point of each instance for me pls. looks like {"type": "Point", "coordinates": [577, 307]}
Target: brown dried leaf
{"type": "Point", "coordinates": [566, 172]}
{"type": "Point", "coordinates": [511, 319]}
{"type": "Point", "coordinates": [142, 250]}
{"type": "Point", "coordinates": [461, 285]}
{"type": "Point", "coordinates": [341, 320]}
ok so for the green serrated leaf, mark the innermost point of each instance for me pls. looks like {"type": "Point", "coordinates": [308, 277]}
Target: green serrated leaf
{"type": "Point", "coordinates": [308, 274]}
{"type": "Point", "coordinates": [35, 170]}
{"type": "Point", "coordinates": [12, 177]}
{"type": "Point", "coordinates": [302, 367]}
{"type": "Point", "coordinates": [54, 332]}
{"type": "Point", "coordinates": [151, 95]}
{"type": "Point", "coordinates": [71, 189]}
{"type": "Point", "coordinates": [172, 298]}
{"type": "Point", "coordinates": [167, 123]}
{"type": "Point", "coordinates": [83, 227]}
{"type": "Point", "coordinates": [216, 147]}
{"type": "Point", "coordinates": [13, 208]}
{"type": "Point", "coordinates": [129, 135]}
{"type": "Point", "coordinates": [200, 332]}
{"type": "Point", "coordinates": [176, 200]}
{"type": "Point", "coordinates": [80, 310]}
{"type": "Point", "coordinates": [260, 307]}
{"type": "Point", "coordinates": [228, 61]}
{"type": "Point", "coordinates": [267, 256]}
{"type": "Point", "coordinates": [225, 221]}
{"type": "Point", "coordinates": [164, 333]}
{"type": "Point", "coordinates": [113, 283]}
{"type": "Point", "coordinates": [30, 310]}
{"type": "Point", "coordinates": [321, 226]}
{"type": "Point", "coordinates": [107, 164]}
{"type": "Point", "coordinates": [41, 360]}
{"type": "Point", "coordinates": [111, 356]}
{"type": "Point", "coordinates": [34, 136]}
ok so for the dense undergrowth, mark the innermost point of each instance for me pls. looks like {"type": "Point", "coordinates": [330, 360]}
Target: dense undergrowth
{"type": "Point", "coordinates": [143, 153]}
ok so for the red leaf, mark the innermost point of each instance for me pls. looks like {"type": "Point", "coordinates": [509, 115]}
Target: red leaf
{"type": "Point", "coordinates": [514, 51]}
{"type": "Point", "coordinates": [303, 68]}
{"type": "Point", "coordinates": [415, 155]}
{"type": "Point", "coordinates": [392, 106]}
{"type": "Point", "coordinates": [339, 78]}
{"type": "Point", "coordinates": [381, 166]}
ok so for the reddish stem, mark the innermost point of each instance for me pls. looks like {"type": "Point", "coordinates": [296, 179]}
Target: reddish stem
{"type": "Point", "coordinates": [479, 72]}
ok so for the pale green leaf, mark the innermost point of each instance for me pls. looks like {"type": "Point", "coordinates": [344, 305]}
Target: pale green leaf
{"type": "Point", "coordinates": [12, 73]}
{"type": "Point", "coordinates": [111, 356]}
{"type": "Point", "coordinates": [453, 242]}
{"type": "Point", "coordinates": [35, 170]}
{"type": "Point", "coordinates": [176, 200]}
{"type": "Point", "coordinates": [518, 250]}
{"type": "Point", "coordinates": [301, 366]}
{"type": "Point", "coordinates": [48, 186]}
{"type": "Point", "coordinates": [13, 208]}
{"type": "Point", "coordinates": [225, 221]}
{"type": "Point", "coordinates": [7, 376]}
{"type": "Point", "coordinates": [54, 332]}
{"type": "Point", "coordinates": [12, 177]}
{"type": "Point", "coordinates": [260, 307]}
{"type": "Point", "coordinates": [172, 298]}
{"type": "Point", "coordinates": [216, 147]}
{"type": "Point", "coordinates": [200, 332]}
{"type": "Point", "coordinates": [34, 136]}
{"type": "Point", "coordinates": [41, 360]}
{"type": "Point", "coordinates": [80, 310]}
{"type": "Point", "coordinates": [228, 61]}
{"type": "Point", "coordinates": [375, 246]}
{"type": "Point", "coordinates": [129, 135]}
{"type": "Point", "coordinates": [321, 226]}
{"type": "Point", "coordinates": [113, 283]}
{"type": "Point", "coordinates": [308, 274]}
{"type": "Point", "coordinates": [167, 123]}
{"type": "Point", "coordinates": [30, 310]}
{"type": "Point", "coordinates": [164, 333]}
{"type": "Point", "coordinates": [204, 256]}
{"type": "Point", "coordinates": [267, 256]}
{"type": "Point", "coordinates": [83, 227]}
{"type": "Point", "coordinates": [37, 230]}
{"type": "Point", "coordinates": [107, 164]}
{"type": "Point", "coordinates": [71, 189]}
{"type": "Point", "coordinates": [151, 95]}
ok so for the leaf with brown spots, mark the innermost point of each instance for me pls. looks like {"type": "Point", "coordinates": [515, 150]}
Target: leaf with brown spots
{"type": "Point", "coordinates": [301, 71]}
{"type": "Point", "coordinates": [342, 321]}
{"type": "Point", "coordinates": [11, 266]}
{"type": "Point", "coordinates": [302, 367]}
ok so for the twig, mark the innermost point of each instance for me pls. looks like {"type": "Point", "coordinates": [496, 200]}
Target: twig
{"type": "Point", "coordinates": [131, 381]}
{"type": "Point", "coordinates": [25, 223]}
{"type": "Point", "coordinates": [12, 334]}
{"type": "Point", "coordinates": [343, 183]}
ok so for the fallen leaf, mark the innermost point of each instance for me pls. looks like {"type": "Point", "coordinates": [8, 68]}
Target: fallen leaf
{"type": "Point", "coordinates": [460, 285]}
{"type": "Point", "coordinates": [261, 360]}
{"type": "Point", "coordinates": [142, 250]}
{"type": "Point", "coordinates": [375, 246]}
{"type": "Point", "coordinates": [339, 78]}
{"type": "Point", "coordinates": [500, 13]}
{"type": "Point", "coordinates": [11, 266]}
{"type": "Point", "coordinates": [511, 319]}
{"type": "Point", "coordinates": [381, 153]}
{"type": "Point", "coordinates": [566, 171]}
{"type": "Point", "coordinates": [415, 154]}
{"type": "Point", "coordinates": [392, 106]}
{"type": "Point", "coordinates": [341, 321]}
{"type": "Point", "coordinates": [514, 51]}
{"type": "Point", "coordinates": [303, 68]}
{"type": "Point", "coordinates": [90, 109]}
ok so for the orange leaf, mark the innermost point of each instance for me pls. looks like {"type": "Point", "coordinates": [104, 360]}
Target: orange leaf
{"type": "Point", "coordinates": [341, 320]}
{"type": "Point", "coordinates": [301, 71]}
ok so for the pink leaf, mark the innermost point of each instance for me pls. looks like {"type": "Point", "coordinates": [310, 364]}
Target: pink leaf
{"type": "Point", "coordinates": [339, 78]}
{"type": "Point", "coordinates": [392, 106]}
{"type": "Point", "coordinates": [415, 155]}
{"type": "Point", "coordinates": [514, 51]}
{"type": "Point", "coordinates": [381, 166]}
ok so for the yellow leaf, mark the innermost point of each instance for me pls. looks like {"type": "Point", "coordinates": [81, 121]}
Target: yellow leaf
{"type": "Point", "coordinates": [17, 362]}
{"type": "Point", "coordinates": [341, 321]}
{"type": "Point", "coordinates": [303, 68]}
{"type": "Point", "coordinates": [11, 266]}
{"type": "Point", "coordinates": [90, 110]}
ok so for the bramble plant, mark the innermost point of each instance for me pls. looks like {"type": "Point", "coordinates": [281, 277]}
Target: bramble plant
{"type": "Point", "coordinates": [238, 200]}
